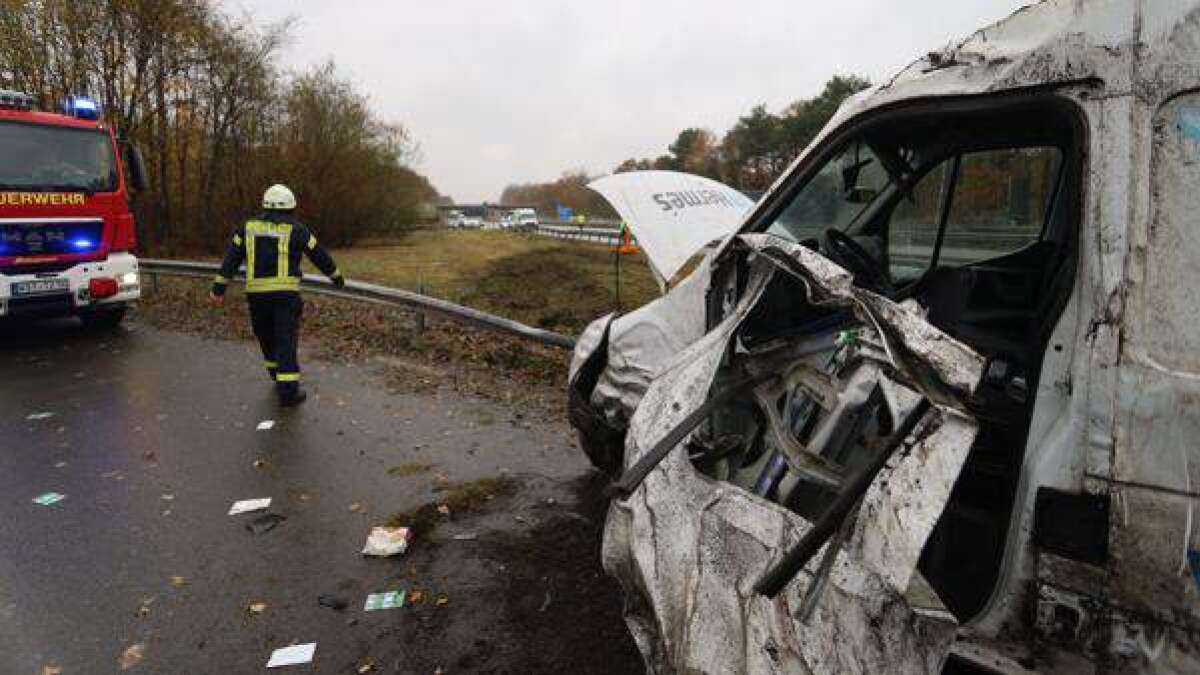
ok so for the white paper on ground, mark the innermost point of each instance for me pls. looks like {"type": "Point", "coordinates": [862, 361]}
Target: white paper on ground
{"type": "Point", "coordinates": [386, 541]}
{"type": "Point", "coordinates": [266, 425]}
{"type": "Point", "coordinates": [248, 505]}
{"type": "Point", "coordinates": [292, 656]}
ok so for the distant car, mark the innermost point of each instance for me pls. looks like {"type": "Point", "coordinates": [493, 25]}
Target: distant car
{"type": "Point", "coordinates": [470, 221]}
{"type": "Point", "coordinates": [524, 217]}
{"type": "Point", "coordinates": [454, 219]}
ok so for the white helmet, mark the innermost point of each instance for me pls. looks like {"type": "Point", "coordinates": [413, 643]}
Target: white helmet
{"type": "Point", "coordinates": [279, 198]}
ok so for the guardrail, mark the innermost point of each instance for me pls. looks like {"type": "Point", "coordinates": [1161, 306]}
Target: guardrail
{"type": "Point", "coordinates": [599, 235]}
{"type": "Point", "coordinates": [381, 295]}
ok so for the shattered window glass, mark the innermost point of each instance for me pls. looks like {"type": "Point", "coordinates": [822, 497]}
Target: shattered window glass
{"type": "Point", "coordinates": [835, 196]}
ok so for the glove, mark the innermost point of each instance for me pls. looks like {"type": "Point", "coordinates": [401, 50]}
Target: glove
{"type": "Point", "coordinates": [338, 281]}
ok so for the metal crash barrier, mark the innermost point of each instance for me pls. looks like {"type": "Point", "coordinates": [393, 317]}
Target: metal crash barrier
{"type": "Point", "coordinates": [381, 295]}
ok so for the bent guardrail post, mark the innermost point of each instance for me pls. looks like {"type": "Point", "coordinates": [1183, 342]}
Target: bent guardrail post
{"type": "Point", "coordinates": [382, 295]}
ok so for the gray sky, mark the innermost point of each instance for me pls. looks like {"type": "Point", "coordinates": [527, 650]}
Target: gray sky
{"type": "Point", "coordinates": [520, 91]}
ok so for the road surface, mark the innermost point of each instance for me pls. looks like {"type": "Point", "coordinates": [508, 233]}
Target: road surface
{"type": "Point", "coordinates": [153, 436]}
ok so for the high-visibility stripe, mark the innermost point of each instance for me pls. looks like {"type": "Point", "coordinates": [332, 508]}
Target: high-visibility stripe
{"type": "Point", "coordinates": [281, 259]}
{"type": "Point", "coordinates": [271, 364]}
{"type": "Point", "coordinates": [220, 279]}
{"type": "Point", "coordinates": [237, 240]}
{"type": "Point", "coordinates": [249, 255]}
{"type": "Point", "coordinates": [287, 377]}
{"type": "Point", "coordinates": [273, 284]}
{"type": "Point", "coordinates": [312, 242]}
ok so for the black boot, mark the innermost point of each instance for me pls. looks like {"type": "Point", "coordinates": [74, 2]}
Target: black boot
{"type": "Point", "coordinates": [290, 393]}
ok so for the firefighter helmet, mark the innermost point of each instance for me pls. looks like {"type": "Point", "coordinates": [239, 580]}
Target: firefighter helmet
{"type": "Point", "coordinates": [279, 198]}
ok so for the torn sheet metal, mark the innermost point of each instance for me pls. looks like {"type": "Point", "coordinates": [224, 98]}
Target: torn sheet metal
{"type": "Point", "coordinates": [688, 550]}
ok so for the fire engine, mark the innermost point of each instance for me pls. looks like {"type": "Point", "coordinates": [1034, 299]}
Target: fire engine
{"type": "Point", "coordinates": [66, 230]}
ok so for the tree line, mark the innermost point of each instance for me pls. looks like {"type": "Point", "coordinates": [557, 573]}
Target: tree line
{"type": "Point", "coordinates": [202, 94]}
{"type": "Point", "coordinates": [749, 156]}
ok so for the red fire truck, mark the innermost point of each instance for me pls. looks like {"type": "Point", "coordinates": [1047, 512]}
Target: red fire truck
{"type": "Point", "coordinates": [66, 231]}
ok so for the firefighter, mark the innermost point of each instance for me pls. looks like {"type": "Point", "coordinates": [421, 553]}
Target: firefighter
{"type": "Point", "coordinates": [271, 245]}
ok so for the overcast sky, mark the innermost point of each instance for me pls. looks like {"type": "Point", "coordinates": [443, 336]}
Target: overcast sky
{"type": "Point", "coordinates": [520, 91]}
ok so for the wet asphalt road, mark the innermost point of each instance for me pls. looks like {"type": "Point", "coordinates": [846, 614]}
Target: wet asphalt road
{"type": "Point", "coordinates": [152, 439]}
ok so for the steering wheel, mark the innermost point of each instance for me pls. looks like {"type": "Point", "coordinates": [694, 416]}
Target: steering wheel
{"type": "Point", "coordinates": [851, 255]}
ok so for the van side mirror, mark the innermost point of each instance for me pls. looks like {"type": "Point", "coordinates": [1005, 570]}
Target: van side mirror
{"type": "Point", "coordinates": [137, 168]}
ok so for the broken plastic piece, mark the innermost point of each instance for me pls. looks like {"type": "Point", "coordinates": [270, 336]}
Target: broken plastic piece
{"type": "Point", "coordinates": [388, 600]}
{"type": "Point", "coordinates": [248, 505]}
{"type": "Point", "coordinates": [386, 541]}
{"type": "Point", "coordinates": [293, 655]}
{"type": "Point", "coordinates": [264, 523]}
{"type": "Point", "coordinates": [49, 498]}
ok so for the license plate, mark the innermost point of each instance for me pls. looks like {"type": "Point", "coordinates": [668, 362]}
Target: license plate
{"type": "Point", "coordinates": [40, 287]}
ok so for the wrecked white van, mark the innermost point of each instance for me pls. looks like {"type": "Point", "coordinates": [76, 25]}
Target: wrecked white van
{"type": "Point", "coordinates": [936, 406]}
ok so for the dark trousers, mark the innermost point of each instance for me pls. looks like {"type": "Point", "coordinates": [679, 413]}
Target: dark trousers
{"type": "Point", "coordinates": [275, 318]}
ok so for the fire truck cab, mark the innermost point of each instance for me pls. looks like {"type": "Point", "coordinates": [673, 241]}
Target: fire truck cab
{"type": "Point", "coordinates": [66, 230]}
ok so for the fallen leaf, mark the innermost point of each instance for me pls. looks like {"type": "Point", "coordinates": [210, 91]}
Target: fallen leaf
{"type": "Point", "coordinates": [132, 656]}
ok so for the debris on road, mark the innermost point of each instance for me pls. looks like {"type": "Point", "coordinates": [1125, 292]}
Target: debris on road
{"type": "Point", "coordinates": [388, 600]}
{"type": "Point", "coordinates": [261, 464]}
{"type": "Point", "coordinates": [131, 656]}
{"type": "Point", "coordinates": [34, 417]}
{"type": "Point", "coordinates": [444, 510]}
{"type": "Point", "coordinates": [150, 456]}
{"type": "Point", "coordinates": [249, 505]}
{"type": "Point", "coordinates": [367, 665]}
{"type": "Point", "coordinates": [168, 497]}
{"type": "Point", "coordinates": [386, 541]}
{"type": "Point", "coordinates": [265, 425]}
{"type": "Point", "coordinates": [49, 498]}
{"type": "Point", "coordinates": [51, 669]}
{"type": "Point", "coordinates": [294, 655]}
{"type": "Point", "coordinates": [264, 523]}
{"type": "Point", "coordinates": [333, 602]}
{"type": "Point", "coordinates": [256, 608]}
{"type": "Point", "coordinates": [143, 610]}
{"type": "Point", "coordinates": [466, 536]}
{"type": "Point", "coordinates": [178, 581]}
{"type": "Point", "coordinates": [356, 507]}
{"type": "Point", "coordinates": [59, 465]}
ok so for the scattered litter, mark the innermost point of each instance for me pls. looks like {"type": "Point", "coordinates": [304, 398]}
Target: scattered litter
{"type": "Point", "coordinates": [356, 507]}
{"type": "Point", "coordinates": [333, 602]}
{"type": "Point", "coordinates": [367, 666]}
{"type": "Point", "coordinates": [293, 655]}
{"type": "Point", "coordinates": [132, 656]}
{"type": "Point", "coordinates": [264, 523]}
{"type": "Point", "coordinates": [33, 417]}
{"type": "Point", "coordinates": [178, 581]}
{"type": "Point", "coordinates": [167, 497]}
{"type": "Point", "coordinates": [387, 541]}
{"type": "Point", "coordinates": [444, 510]}
{"type": "Point", "coordinates": [443, 600]}
{"type": "Point", "coordinates": [261, 464]}
{"type": "Point", "coordinates": [389, 600]}
{"type": "Point", "coordinates": [51, 669]}
{"type": "Point", "coordinates": [248, 505]}
{"type": "Point", "coordinates": [466, 536]}
{"type": "Point", "coordinates": [256, 608]}
{"type": "Point", "coordinates": [49, 498]}
{"type": "Point", "coordinates": [266, 425]}
{"type": "Point", "coordinates": [59, 465]}
{"type": "Point", "coordinates": [143, 610]}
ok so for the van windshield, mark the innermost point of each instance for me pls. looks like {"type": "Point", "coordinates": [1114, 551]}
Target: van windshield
{"type": "Point", "coordinates": [41, 158]}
